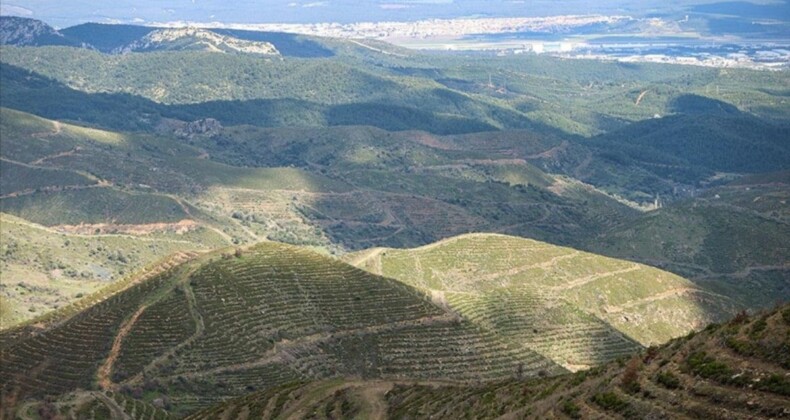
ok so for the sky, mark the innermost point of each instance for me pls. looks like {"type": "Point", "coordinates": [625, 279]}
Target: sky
{"type": "Point", "coordinates": [62, 13]}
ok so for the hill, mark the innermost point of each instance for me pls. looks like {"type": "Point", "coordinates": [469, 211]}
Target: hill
{"type": "Point", "coordinates": [193, 39]}
{"type": "Point", "coordinates": [576, 308]}
{"type": "Point", "coordinates": [122, 39]}
{"type": "Point", "coordinates": [288, 184]}
{"type": "Point", "coordinates": [31, 32]}
{"type": "Point", "coordinates": [735, 370]}
{"type": "Point", "coordinates": [220, 325]}
{"type": "Point", "coordinates": [730, 240]}
{"type": "Point", "coordinates": [45, 268]}
{"type": "Point", "coordinates": [350, 188]}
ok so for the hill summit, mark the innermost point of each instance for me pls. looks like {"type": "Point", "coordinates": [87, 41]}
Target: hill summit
{"type": "Point", "coordinates": [200, 40]}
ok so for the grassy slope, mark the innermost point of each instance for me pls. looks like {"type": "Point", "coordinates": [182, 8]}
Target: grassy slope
{"type": "Point", "coordinates": [735, 370]}
{"type": "Point", "coordinates": [218, 326]}
{"type": "Point", "coordinates": [552, 299]}
{"type": "Point", "coordinates": [44, 269]}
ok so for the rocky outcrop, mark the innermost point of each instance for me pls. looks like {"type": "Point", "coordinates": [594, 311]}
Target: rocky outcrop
{"type": "Point", "coordinates": [199, 40]}
{"type": "Point", "coordinates": [208, 127]}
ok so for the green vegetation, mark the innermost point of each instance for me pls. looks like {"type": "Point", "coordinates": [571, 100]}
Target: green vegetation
{"type": "Point", "coordinates": [576, 308]}
{"type": "Point", "coordinates": [667, 388]}
{"type": "Point", "coordinates": [120, 174]}
{"type": "Point", "coordinates": [227, 323]}
{"type": "Point", "coordinates": [44, 269]}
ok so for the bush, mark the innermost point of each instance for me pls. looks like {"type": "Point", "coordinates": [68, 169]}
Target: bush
{"type": "Point", "coordinates": [571, 409]}
{"type": "Point", "coordinates": [777, 384]}
{"type": "Point", "coordinates": [668, 380]}
{"type": "Point", "coordinates": [630, 378]}
{"type": "Point", "coordinates": [610, 401]}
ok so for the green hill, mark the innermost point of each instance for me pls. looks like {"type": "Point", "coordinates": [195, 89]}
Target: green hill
{"type": "Point", "coordinates": [21, 31]}
{"type": "Point", "coordinates": [292, 184]}
{"type": "Point", "coordinates": [578, 309]}
{"type": "Point", "coordinates": [731, 239]}
{"type": "Point", "coordinates": [44, 269]}
{"type": "Point", "coordinates": [222, 324]}
{"type": "Point", "coordinates": [735, 370]}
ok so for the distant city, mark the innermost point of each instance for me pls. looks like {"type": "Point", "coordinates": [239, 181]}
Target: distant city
{"type": "Point", "coordinates": [619, 38]}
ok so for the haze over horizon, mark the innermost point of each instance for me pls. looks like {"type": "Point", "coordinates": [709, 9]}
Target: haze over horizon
{"type": "Point", "coordinates": [63, 14]}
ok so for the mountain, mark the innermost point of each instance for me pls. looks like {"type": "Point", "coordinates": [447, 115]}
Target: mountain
{"type": "Point", "coordinates": [199, 328]}
{"type": "Point", "coordinates": [576, 308]}
{"type": "Point", "coordinates": [31, 32]}
{"type": "Point", "coordinates": [729, 239]}
{"type": "Point", "coordinates": [734, 370]}
{"type": "Point", "coordinates": [193, 39]}
{"type": "Point", "coordinates": [207, 186]}
{"type": "Point", "coordinates": [223, 323]}
{"type": "Point", "coordinates": [122, 39]}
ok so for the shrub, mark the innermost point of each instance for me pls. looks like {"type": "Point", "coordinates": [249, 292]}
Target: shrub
{"type": "Point", "coordinates": [758, 327]}
{"type": "Point", "coordinates": [610, 401]}
{"type": "Point", "coordinates": [777, 384]}
{"type": "Point", "coordinates": [571, 409]}
{"type": "Point", "coordinates": [668, 380]}
{"type": "Point", "coordinates": [630, 378]}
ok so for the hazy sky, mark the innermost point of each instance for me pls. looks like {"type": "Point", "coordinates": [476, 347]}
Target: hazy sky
{"type": "Point", "coordinates": [63, 13]}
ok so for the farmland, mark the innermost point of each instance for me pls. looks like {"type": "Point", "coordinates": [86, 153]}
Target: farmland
{"type": "Point", "coordinates": [576, 308]}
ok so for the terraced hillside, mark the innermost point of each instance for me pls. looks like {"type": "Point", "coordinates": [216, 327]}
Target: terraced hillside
{"type": "Point", "coordinates": [737, 370]}
{"type": "Point", "coordinates": [577, 308]}
{"type": "Point", "coordinates": [220, 325]}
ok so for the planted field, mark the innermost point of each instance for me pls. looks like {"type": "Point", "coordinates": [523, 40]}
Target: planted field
{"type": "Point", "coordinates": [576, 308]}
{"type": "Point", "coordinates": [553, 328]}
{"type": "Point", "coordinates": [223, 325]}
{"type": "Point", "coordinates": [735, 370]}
{"type": "Point", "coordinates": [66, 357]}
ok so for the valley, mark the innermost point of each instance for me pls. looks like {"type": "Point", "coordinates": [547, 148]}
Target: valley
{"type": "Point", "coordinates": [228, 223]}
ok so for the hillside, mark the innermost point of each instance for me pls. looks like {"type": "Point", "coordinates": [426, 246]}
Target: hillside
{"type": "Point", "coordinates": [46, 268]}
{"type": "Point", "coordinates": [264, 224]}
{"type": "Point", "coordinates": [193, 39]}
{"type": "Point", "coordinates": [31, 32]}
{"type": "Point", "coordinates": [220, 325]}
{"type": "Point", "coordinates": [350, 188]}
{"type": "Point", "coordinates": [338, 189]}
{"type": "Point", "coordinates": [576, 308]}
{"type": "Point", "coordinates": [736, 370]}
{"type": "Point", "coordinates": [730, 240]}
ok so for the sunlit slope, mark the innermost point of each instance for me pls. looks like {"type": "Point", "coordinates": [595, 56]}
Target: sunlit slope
{"type": "Point", "coordinates": [577, 308]}
{"type": "Point", "coordinates": [219, 326]}
{"type": "Point", "coordinates": [738, 370]}
{"type": "Point", "coordinates": [44, 269]}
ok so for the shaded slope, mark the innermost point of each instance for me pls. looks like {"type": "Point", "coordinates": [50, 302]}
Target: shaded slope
{"type": "Point", "coordinates": [726, 143]}
{"type": "Point", "coordinates": [731, 239]}
{"type": "Point", "coordinates": [736, 370]}
{"type": "Point", "coordinates": [577, 308]}
{"type": "Point", "coordinates": [30, 92]}
{"type": "Point", "coordinates": [193, 77]}
{"type": "Point", "coordinates": [31, 32]}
